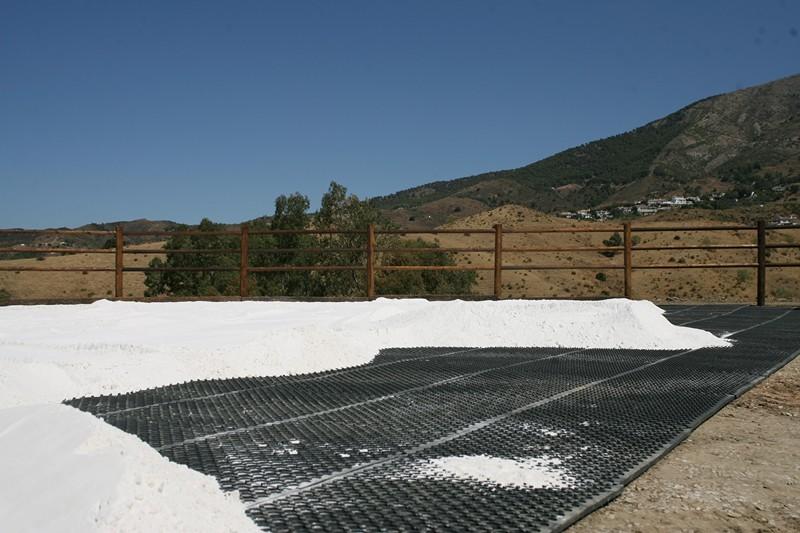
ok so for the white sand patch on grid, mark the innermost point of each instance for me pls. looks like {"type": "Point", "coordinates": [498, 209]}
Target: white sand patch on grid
{"type": "Point", "coordinates": [526, 472]}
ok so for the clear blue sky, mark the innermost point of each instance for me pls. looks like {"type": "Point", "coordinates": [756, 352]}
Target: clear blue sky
{"type": "Point", "coordinates": [165, 109]}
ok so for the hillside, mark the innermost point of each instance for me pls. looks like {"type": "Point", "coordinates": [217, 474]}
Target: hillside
{"type": "Point", "coordinates": [687, 285]}
{"type": "Point", "coordinates": [747, 140]}
{"type": "Point", "coordinates": [87, 241]}
{"type": "Point", "coordinates": [98, 241]}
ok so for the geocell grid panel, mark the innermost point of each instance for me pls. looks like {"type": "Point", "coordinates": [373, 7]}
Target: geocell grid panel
{"type": "Point", "coordinates": [351, 449]}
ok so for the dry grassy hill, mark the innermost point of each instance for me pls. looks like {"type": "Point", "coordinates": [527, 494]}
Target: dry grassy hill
{"type": "Point", "coordinates": [723, 285]}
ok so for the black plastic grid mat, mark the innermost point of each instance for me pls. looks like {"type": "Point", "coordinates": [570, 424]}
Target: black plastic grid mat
{"type": "Point", "coordinates": [362, 448]}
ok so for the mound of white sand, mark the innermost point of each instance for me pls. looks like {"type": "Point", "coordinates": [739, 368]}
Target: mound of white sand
{"type": "Point", "coordinates": [49, 353]}
{"type": "Point", "coordinates": [65, 470]}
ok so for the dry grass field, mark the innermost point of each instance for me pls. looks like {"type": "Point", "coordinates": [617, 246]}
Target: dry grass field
{"type": "Point", "coordinates": [74, 285]}
{"type": "Point", "coordinates": [686, 285]}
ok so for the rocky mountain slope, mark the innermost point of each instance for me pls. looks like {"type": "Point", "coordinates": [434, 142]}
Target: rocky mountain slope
{"type": "Point", "coordinates": [748, 139]}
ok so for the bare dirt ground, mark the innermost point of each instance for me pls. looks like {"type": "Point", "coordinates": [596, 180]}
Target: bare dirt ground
{"type": "Point", "coordinates": [740, 471]}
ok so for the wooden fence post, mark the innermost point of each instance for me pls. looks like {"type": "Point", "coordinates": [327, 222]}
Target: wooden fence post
{"type": "Point", "coordinates": [498, 260]}
{"type": "Point", "coordinates": [628, 242]}
{"type": "Point", "coordinates": [244, 260]}
{"type": "Point", "coordinates": [371, 261]}
{"type": "Point", "coordinates": [118, 262]}
{"type": "Point", "coordinates": [761, 287]}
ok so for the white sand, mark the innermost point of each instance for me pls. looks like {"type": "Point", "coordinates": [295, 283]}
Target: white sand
{"type": "Point", "coordinates": [67, 471]}
{"type": "Point", "coordinates": [49, 353]}
{"type": "Point", "coordinates": [528, 472]}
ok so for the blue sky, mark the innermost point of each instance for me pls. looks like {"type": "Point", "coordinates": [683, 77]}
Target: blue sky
{"type": "Point", "coordinates": [180, 110]}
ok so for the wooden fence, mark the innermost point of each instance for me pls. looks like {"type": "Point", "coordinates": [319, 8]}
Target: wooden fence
{"type": "Point", "coordinates": [371, 265]}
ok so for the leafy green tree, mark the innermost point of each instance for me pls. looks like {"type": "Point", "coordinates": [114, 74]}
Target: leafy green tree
{"type": "Point", "coordinates": [348, 213]}
{"type": "Point", "coordinates": [344, 212]}
{"type": "Point", "coordinates": [197, 282]}
{"type": "Point", "coordinates": [291, 213]}
{"type": "Point", "coordinates": [405, 282]}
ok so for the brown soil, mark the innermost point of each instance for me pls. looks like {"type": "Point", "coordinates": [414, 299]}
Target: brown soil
{"type": "Point", "coordinates": [740, 471]}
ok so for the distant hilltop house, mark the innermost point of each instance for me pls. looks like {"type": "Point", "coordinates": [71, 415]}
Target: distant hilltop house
{"type": "Point", "coordinates": [650, 207]}
{"type": "Point", "coordinates": [675, 201]}
{"type": "Point", "coordinates": [785, 220]}
{"type": "Point", "coordinates": [644, 210]}
{"type": "Point", "coordinates": [53, 244]}
{"type": "Point", "coordinates": [587, 214]}
{"type": "Point", "coordinates": [654, 205]}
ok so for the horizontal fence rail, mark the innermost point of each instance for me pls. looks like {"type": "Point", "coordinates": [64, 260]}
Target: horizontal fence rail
{"type": "Point", "coordinates": [370, 252]}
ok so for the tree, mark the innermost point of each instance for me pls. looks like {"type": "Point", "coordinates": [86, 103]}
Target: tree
{"type": "Point", "coordinates": [405, 282]}
{"type": "Point", "coordinates": [348, 213]}
{"type": "Point", "coordinates": [343, 212]}
{"type": "Point", "coordinates": [197, 282]}
{"type": "Point", "coordinates": [291, 213]}
{"type": "Point", "coordinates": [338, 212]}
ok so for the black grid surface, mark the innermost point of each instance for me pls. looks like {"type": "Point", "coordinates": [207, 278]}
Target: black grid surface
{"type": "Point", "coordinates": [351, 449]}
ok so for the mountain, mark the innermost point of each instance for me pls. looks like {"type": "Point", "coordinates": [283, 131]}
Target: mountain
{"type": "Point", "coordinates": [88, 241]}
{"type": "Point", "coordinates": [744, 140]}
{"type": "Point", "coordinates": [741, 142]}
{"type": "Point", "coordinates": [97, 241]}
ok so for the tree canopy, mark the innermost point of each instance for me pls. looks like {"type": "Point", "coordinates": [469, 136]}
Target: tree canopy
{"type": "Point", "coordinates": [338, 211]}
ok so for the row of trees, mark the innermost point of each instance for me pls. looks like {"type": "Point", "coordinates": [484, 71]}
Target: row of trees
{"type": "Point", "coordinates": [338, 211]}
